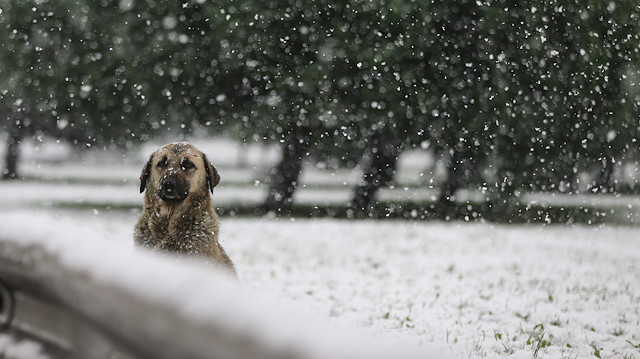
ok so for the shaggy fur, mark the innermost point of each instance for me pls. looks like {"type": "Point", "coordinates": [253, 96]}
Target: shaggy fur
{"type": "Point", "coordinates": [178, 216]}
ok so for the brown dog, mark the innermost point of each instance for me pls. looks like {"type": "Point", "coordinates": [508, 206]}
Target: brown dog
{"type": "Point", "coordinates": [178, 216]}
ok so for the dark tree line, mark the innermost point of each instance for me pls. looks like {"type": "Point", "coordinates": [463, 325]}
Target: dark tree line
{"type": "Point", "coordinates": [510, 95]}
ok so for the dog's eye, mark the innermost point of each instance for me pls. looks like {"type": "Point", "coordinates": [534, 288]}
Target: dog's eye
{"type": "Point", "coordinates": [163, 162]}
{"type": "Point", "coordinates": [186, 164]}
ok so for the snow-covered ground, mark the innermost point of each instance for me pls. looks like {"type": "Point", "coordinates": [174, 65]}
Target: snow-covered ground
{"type": "Point", "coordinates": [103, 183]}
{"type": "Point", "coordinates": [58, 174]}
{"type": "Point", "coordinates": [474, 290]}
{"type": "Point", "coordinates": [153, 300]}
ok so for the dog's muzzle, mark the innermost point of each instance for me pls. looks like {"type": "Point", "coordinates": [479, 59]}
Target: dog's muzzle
{"type": "Point", "coordinates": [171, 190]}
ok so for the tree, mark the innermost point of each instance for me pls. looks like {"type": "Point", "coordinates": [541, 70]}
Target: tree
{"type": "Point", "coordinates": [287, 55]}
{"type": "Point", "coordinates": [512, 96]}
{"type": "Point", "coordinates": [63, 75]}
{"type": "Point", "coordinates": [112, 73]}
{"type": "Point", "coordinates": [17, 123]}
{"type": "Point", "coordinates": [568, 64]}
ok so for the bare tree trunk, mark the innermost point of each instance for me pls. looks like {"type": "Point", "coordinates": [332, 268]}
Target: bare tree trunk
{"type": "Point", "coordinates": [16, 134]}
{"type": "Point", "coordinates": [379, 172]}
{"type": "Point", "coordinates": [604, 183]}
{"type": "Point", "coordinates": [285, 175]}
{"type": "Point", "coordinates": [455, 174]}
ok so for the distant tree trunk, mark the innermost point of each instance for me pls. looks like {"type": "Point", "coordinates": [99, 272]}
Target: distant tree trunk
{"type": "Point", "coordinates": [16, 132]}
{"type": "Point", "coordinates": [285, 175]}
{"type": "Point", "coordinates": [455, 175]}
{"type": "Point", "coordinates": [603, 183]}
{"type": "Point", "coordinates": [503, 195]}
{"type": "Point", "coordinates": [379, 171]}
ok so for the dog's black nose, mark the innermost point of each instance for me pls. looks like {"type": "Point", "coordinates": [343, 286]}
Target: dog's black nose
{"type": "Point", "coordinates": [169, 185]}
{"type": "Point", "coordinates": [172, 190]}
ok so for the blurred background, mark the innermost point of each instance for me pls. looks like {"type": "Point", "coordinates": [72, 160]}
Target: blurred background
{"type": "Point", "coordinates": [487, 111]}
{"type": "Point", "coordinates": [508, 111]}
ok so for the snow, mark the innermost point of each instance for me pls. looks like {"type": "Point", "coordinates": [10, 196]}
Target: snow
{"type": "Point", "coordinates": [118, 185]}
{"type": "Point", "coordinates": [102, 178]}
{"type": "Point", "coordinates": [106, 254]}
{"type": "Point", "coordinates": [12, 348]}
{"type": "Point", "coordinates": [476, 290]}
{"type": "Point", "coordinates": [472, 290]}
{"type": "Point", "coordinates": [59, 175]}
{"type": "Point", "coordinates": [48, 194]}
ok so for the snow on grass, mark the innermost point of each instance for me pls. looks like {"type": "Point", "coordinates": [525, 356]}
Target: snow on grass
{"type": "Point", "coordinates": [117, 184]}
{"type": "Point", "coordinates": [30, 194]}
{"type": "Point", "coordinates": [474, 290]}
{"type": "Point", "coordinates": [97, 176]}
{"type": "Point", "coordinates": [53, 160]}
{"type": "Point", "coordinates": [583, 199]}
{"type": "Point", "coordinates": [126, 194]}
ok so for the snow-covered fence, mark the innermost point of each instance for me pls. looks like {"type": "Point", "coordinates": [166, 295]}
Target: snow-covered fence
{"type": "Point", "coordinates": [78, 296]}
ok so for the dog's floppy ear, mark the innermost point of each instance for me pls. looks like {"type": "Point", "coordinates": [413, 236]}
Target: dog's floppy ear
{"type": "Point", "coordinates": [146, 171]}
{"type": "Point", "coordinates": [213, 178]}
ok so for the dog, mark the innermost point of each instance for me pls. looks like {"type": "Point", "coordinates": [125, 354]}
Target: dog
{"type": "Point", "coordinates": [178, 216]}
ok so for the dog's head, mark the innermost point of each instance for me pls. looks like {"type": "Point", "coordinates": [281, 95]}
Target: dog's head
{"type": "Point", "coordinates": [176, 170]}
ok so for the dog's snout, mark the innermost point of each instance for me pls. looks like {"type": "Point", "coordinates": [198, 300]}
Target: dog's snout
{"type": "Point", "coordinates": [169, 184]}
{"type": "Point", "coordinates": [172, 189]}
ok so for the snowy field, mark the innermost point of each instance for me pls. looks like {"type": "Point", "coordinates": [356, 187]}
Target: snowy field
{"type": "Point", "coordinates": [476, 290]}
{"type": "Point", "coordinates": [473, 290]}
{"type": "Point", "coordinates": [59, 176]}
